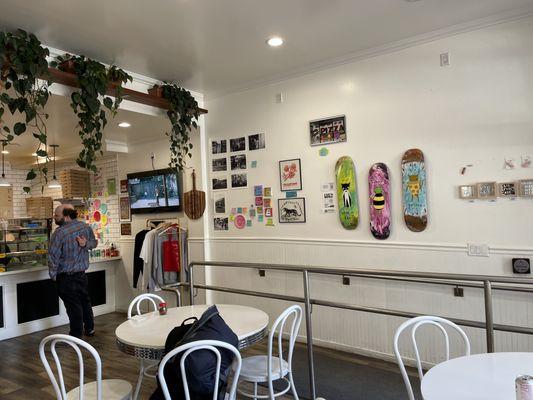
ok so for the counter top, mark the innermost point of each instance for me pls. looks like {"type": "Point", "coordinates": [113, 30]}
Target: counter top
{"type": "Point", "coordinates": [44, 268]}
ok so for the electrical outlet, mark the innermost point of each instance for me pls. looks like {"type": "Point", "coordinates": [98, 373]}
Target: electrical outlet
{"type": "Point", "coordinates": [478, 250]}
{"type": "Point", "coordinates": [445, 59]}
{"type": "Point", "coordinates": [458, 291]}
{"type": "Point", "coordinates": [346, 280]}
{"type": "Point", "coordinates": [262, 272]}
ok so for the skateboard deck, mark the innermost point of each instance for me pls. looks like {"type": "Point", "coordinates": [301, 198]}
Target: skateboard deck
{"type": "Point", "coordinates": [414, 189]}
{"type": "Point", "coordinates": [380, 210]}
{"type": "Point", "coordinates": [347, 192]}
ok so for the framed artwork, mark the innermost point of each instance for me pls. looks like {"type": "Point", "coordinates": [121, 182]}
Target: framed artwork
{"type": "Point", "coordinates": [220, 224]}
{"type": "Point", "coordinates": [291, 210]}
{"type": "Point", "coordinates": [219, 164]}
{"type": "Point", "coordinates": [468, 192]}
{"type": "Point", "coordinates": [486, 190]}
{"type": "Point", "coordinates": [125, 229]}
{"type": "Point", "coordinates": [526, 187]}
{"type": "Point", "coordinates": [238, 161]}
{"type": "Point", "coordinates": [220, 183]}
{"type": "Point", "coordinates": [125, 211]}
{"type": "Point", "coordinates": [508, 189]}
{"type": "Point", "coordinates": [328, 130]}
{"type": "Point", "coordinates": [219, 146]}
{"type": "Point", "coordinates": [111, 186]}
{"type": "Point", "coordinates": [256, 141]}
{"type": "Point", "coordinates": [237, 144]}
{"type": "Point", "coordinates": [290, 175]}
{"type": "Point", "coordinates": [220, 203]}
{"type": "Point", "coordinates": [239, 181]}
{"type": "Point", "coordinates": [124, 186]}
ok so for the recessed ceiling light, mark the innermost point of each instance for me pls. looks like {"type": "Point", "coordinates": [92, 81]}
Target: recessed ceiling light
{"type": "Point", "coordinates": [124, 124]}
{"type": "Point", "coordinates": [275, 41]}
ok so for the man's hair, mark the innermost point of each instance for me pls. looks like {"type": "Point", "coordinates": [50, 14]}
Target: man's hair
{"type": "Point", "coordinates": [70, 212]}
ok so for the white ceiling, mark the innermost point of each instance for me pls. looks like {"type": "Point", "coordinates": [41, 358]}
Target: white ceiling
{"type": "Point", "coordinates": [62, 130]}
{"type": "Point", "coordinates": [216, 46]}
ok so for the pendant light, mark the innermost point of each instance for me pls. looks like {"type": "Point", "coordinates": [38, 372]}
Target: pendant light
{"type": "Point", "coordinates": [54, 183]}
{"type": "Point", "coordinates": [3, 180]}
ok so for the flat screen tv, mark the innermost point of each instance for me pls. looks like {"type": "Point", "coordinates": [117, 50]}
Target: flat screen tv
{"type": "Point", "coordinates": [155, 191]}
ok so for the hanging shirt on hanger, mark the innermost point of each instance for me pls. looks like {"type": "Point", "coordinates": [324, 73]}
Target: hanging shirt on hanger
{"type": "Point", "coordinates": [138, 262]}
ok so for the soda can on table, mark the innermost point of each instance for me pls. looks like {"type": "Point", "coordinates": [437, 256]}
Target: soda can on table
{"type": "Point", "coordinates": [524, 387]}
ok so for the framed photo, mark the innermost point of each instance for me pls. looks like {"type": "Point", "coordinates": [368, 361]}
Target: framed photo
{"type": "Point", "coordinates": [237, 144]}
{"type": "Point", "coordinates": [220, 224]}
{"type": "Point", "coordinates": [291, 210]}
{"type": "Point", "coordinates": [328, 130]}
{"type": "Point", "coordinates": [239, 181]}
{"type": "Point", "coordinates": [290, 175]}
{"type": "Point", "coordinates": [219, 146]}
{"type": "Point", "coordinates": [125, 229]}
{"type": "Point", "coordinates": [219, 164]}
{"type": "Point", "coordinates": [256, 141]}
{"type": "Point", "coordinates": [220, 203]}
{"type": "Point", "coordinates": [508, 189]}
{"type": "Point", "coordinates": [525, 187]}
{"type": "Point", "coordinates": [468, 192]}
{"type": "Point", "coordinates": [125, 211]}
{"type": "Point", "coordinates": [124, 186]}
{"type": "Point", "coordinates": [486, 190]}
{"type": "Point", "coordinates": [238, 161]}
{"type": "Point", "coordinates": [219, 183]}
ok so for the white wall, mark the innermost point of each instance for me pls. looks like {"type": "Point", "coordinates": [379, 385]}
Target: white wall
{"type": "Point", "coordinates": [477, 111]}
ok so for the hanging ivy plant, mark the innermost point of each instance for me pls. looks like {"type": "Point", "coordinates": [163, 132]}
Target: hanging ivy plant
{"type": "Point", "coordinates": [23, 62]}
{"type": "Point", "coordinates": [93, 79]}
{"type": "Point", "coordinates": [183, 114]}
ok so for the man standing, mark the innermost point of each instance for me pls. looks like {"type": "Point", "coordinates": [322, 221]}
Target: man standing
{"type": "Point", "coordinates": [68, 258]}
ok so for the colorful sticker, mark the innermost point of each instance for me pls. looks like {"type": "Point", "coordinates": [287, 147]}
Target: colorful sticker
{"type": "Point", "coordinates": [270, 222]}
{"type": "Point", "coordinates": [267, 203]}
{"type": "Point", "coordinates": [267, 192]}
{"type": "Point", "coordinates": [260, 218]}
{"type": "Point", "coordinates": [291, 193]}
{"type": "Point", "coordinates": [249, 223]}
{"type": "Point", "coordinates": [258, 201]}
{"type": "Point", "coordinates": [240, 221]}
{"type": "Point", "coordinates": [258, 190]}
{"type": "Point", "coordinates": [268, 212]}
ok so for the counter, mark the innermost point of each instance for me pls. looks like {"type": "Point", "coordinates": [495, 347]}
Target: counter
{"type": "Point", "coordinates": [29, 301]}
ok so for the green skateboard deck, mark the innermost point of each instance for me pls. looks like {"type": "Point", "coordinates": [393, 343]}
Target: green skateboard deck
{"type": "Point", "coordinates": [347, 192]}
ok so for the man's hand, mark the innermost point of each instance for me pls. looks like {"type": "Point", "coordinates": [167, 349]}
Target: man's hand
{"type": "Point", "coordinates": [82, 241]}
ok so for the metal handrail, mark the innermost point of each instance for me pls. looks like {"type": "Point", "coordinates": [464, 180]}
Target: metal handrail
{"type": "Point", "coordinates": [485, 282]}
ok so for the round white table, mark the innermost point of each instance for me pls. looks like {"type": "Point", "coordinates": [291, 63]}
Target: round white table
{"type": "Point", "coordinates": [477, 377]}
{"type": "Point", "coordinates": [144, 336]}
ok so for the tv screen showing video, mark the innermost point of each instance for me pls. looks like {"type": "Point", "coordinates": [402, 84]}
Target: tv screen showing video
{"type": "Point", "coordinates": [154, 191]}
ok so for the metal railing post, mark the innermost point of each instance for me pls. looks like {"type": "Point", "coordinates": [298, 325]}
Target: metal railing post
{"type": "Point", "coordinates": [191, 284]}
{"type": "Point", "coordinates": [489, 323]}
{"type": "Point", "coordinates": [309, 329]}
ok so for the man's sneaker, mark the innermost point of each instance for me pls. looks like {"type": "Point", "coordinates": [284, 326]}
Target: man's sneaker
{"type": "Point", "coordinates": [91, 333]}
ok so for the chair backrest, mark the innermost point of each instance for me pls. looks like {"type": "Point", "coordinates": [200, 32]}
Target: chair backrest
{"type": "Point", "coordinates": [416, 323]}
{"type": "Point", "coordinates": [293, 313]}
{"type": "Point", "coordinates": [191, 347]}
{"type": "Point", "coordinates": [136, 302]}
{"type": "Point", "coordinates": [76, 344]}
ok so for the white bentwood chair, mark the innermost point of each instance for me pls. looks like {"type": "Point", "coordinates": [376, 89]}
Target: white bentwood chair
{"type": "Point", "coordinates": [191, 347]}
{"type": "Point", "coordinates": [145, 366]}
{"type": "Point", "coordinates": [107, 389]}
{"type": "Point", "coordinates": [414, 324]}
{"type": "Point", "coordinates": [261, 369]}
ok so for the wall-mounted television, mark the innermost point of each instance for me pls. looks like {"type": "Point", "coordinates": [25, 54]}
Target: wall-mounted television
{"type": "Point", "coordinates": [155, 191]}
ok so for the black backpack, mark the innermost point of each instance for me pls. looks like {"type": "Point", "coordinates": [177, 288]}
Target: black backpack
{"type": "Point", "coordinates": [201, 365]}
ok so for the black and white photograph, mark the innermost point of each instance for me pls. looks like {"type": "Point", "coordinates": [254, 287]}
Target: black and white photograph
{"type": "Point", "coordinates": [220, 224]}
{"type": "Point", "coordinates": [256, 141]}
{"type": "Point", "coordinates": [237, 144]}
{"type": "Point", "coordinates": [220, 183]}
{"type": "Point", "coordinates": [238, 161]}
{"type": "Point", "coordinates": [239, 181]}
{"type": "Point", "coordinates": [220, 203]}
{"type": "Point", "coordinates": [291, 210]}
{"type": "Point", "coordinates": [328, 130]}
{"type": "Point", "coordinates": [219, 146]}
{"type": "Point", "coordinates": [219, 164]}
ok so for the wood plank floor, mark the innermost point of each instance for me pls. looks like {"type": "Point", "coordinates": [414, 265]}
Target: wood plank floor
{"type": "Point", "coordinates": [22, 376]}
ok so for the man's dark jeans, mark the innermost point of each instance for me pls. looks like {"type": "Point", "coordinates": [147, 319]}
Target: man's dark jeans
{"type": "Point", "coordinates": [74, 291]}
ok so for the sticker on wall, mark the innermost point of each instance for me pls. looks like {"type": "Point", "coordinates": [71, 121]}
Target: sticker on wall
{"type": "Point", "coordinates": [220, 224]}
{"type": "Point", "coordinates": [268, 212]}
{"type": "Point", "coordinates": [260, 218]}
{"type": "Point", "coordinates": [258, 201]}
{"type": "Point", "coordinates": [253, 164]}
{"type": "Point", "coordinates": [327, 187]}
{"type": "Point", "coordinates": [270, 222]}
{"type": "Point", "coordinates": [259, 210]}
{"type": "Point", "coordinates": [239, 210]}
{"type": "Point", "coordinates": [291, 194]}
{"type": "Point", "coordinates": [258, 190]}
{"type": "Point", "coordinates": [267, 191]}
{"type": "Point", "coordinates": [509, 163]}
{"type": "Point", "coordinates": [252, 212]}
{"type": "Point", "coordinates": [240, 221]}
{"type": "Point", "coordinates": [249, 223]}
{"type": "Point", "coordinates": [267, 202]}
{"type": "Point", "coordinates": [323, 152]}
{"type": "Point", "coordinates": [526, 161]}
{"type": "Point", "coordinates": [232, 217]}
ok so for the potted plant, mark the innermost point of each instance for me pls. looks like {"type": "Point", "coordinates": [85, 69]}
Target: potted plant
{"type": "Point", "coordinates": [183, 114]}
{"type": "Point", "coordinates": [94, 79]}
{"type": "Point", "coordinates": [23, 67]}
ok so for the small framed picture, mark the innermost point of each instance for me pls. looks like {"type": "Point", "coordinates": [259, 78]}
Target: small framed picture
{"type": "Point", "coordinates": [486, 190]}
{"type": "Point", "coordinates": [220, 203]}
{"type": "Point", "coordinates": [290, 175]}
{"type": "Point", "coordinates": [125, 229]}
{"type": "Point", "coordinates": [256, 141]}
{"type": "Point", "coordinates": [112, 186]}
{"type": "Point", "coordinates": [328, 130]}
{"type": "Point", "coordinates": [219, 146]}
{"type": "Point", "coordinates": [508, 189]}
{"type": "Point", "coordinates": [238, 161]}
{"type": "Point", "coordinates": [239, 181]}
{"type": "Point", "coordinates": [219, 183]}
{"type": "Point", "coordinates": [125, 211]}
{"type": "Point", "coordinates": [219, 164]}
{"type": "Point", "coordinates": [220, 224]}
{"type": "Point", "coordinates": [237, 144]}
{"type": "Point", "coordinates": [526, 187]}
{"type": "Point", "coordinates": [291, 210]}
{"type": "Point", "coordinates": [124, 186]}
{"type": "Point", "coordinates": [468, 192]}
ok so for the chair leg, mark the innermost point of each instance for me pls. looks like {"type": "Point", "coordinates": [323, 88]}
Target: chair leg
{"type": "Point", "coordinates": [139, 381]}
{"type": "Point", "coordinates": [293, 387]}
{"type": "Point", "coordinates": [255, 390]}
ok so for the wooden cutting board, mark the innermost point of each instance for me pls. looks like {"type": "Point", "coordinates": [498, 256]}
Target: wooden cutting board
{"type": "Point", "coordinates": [194, 201]}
